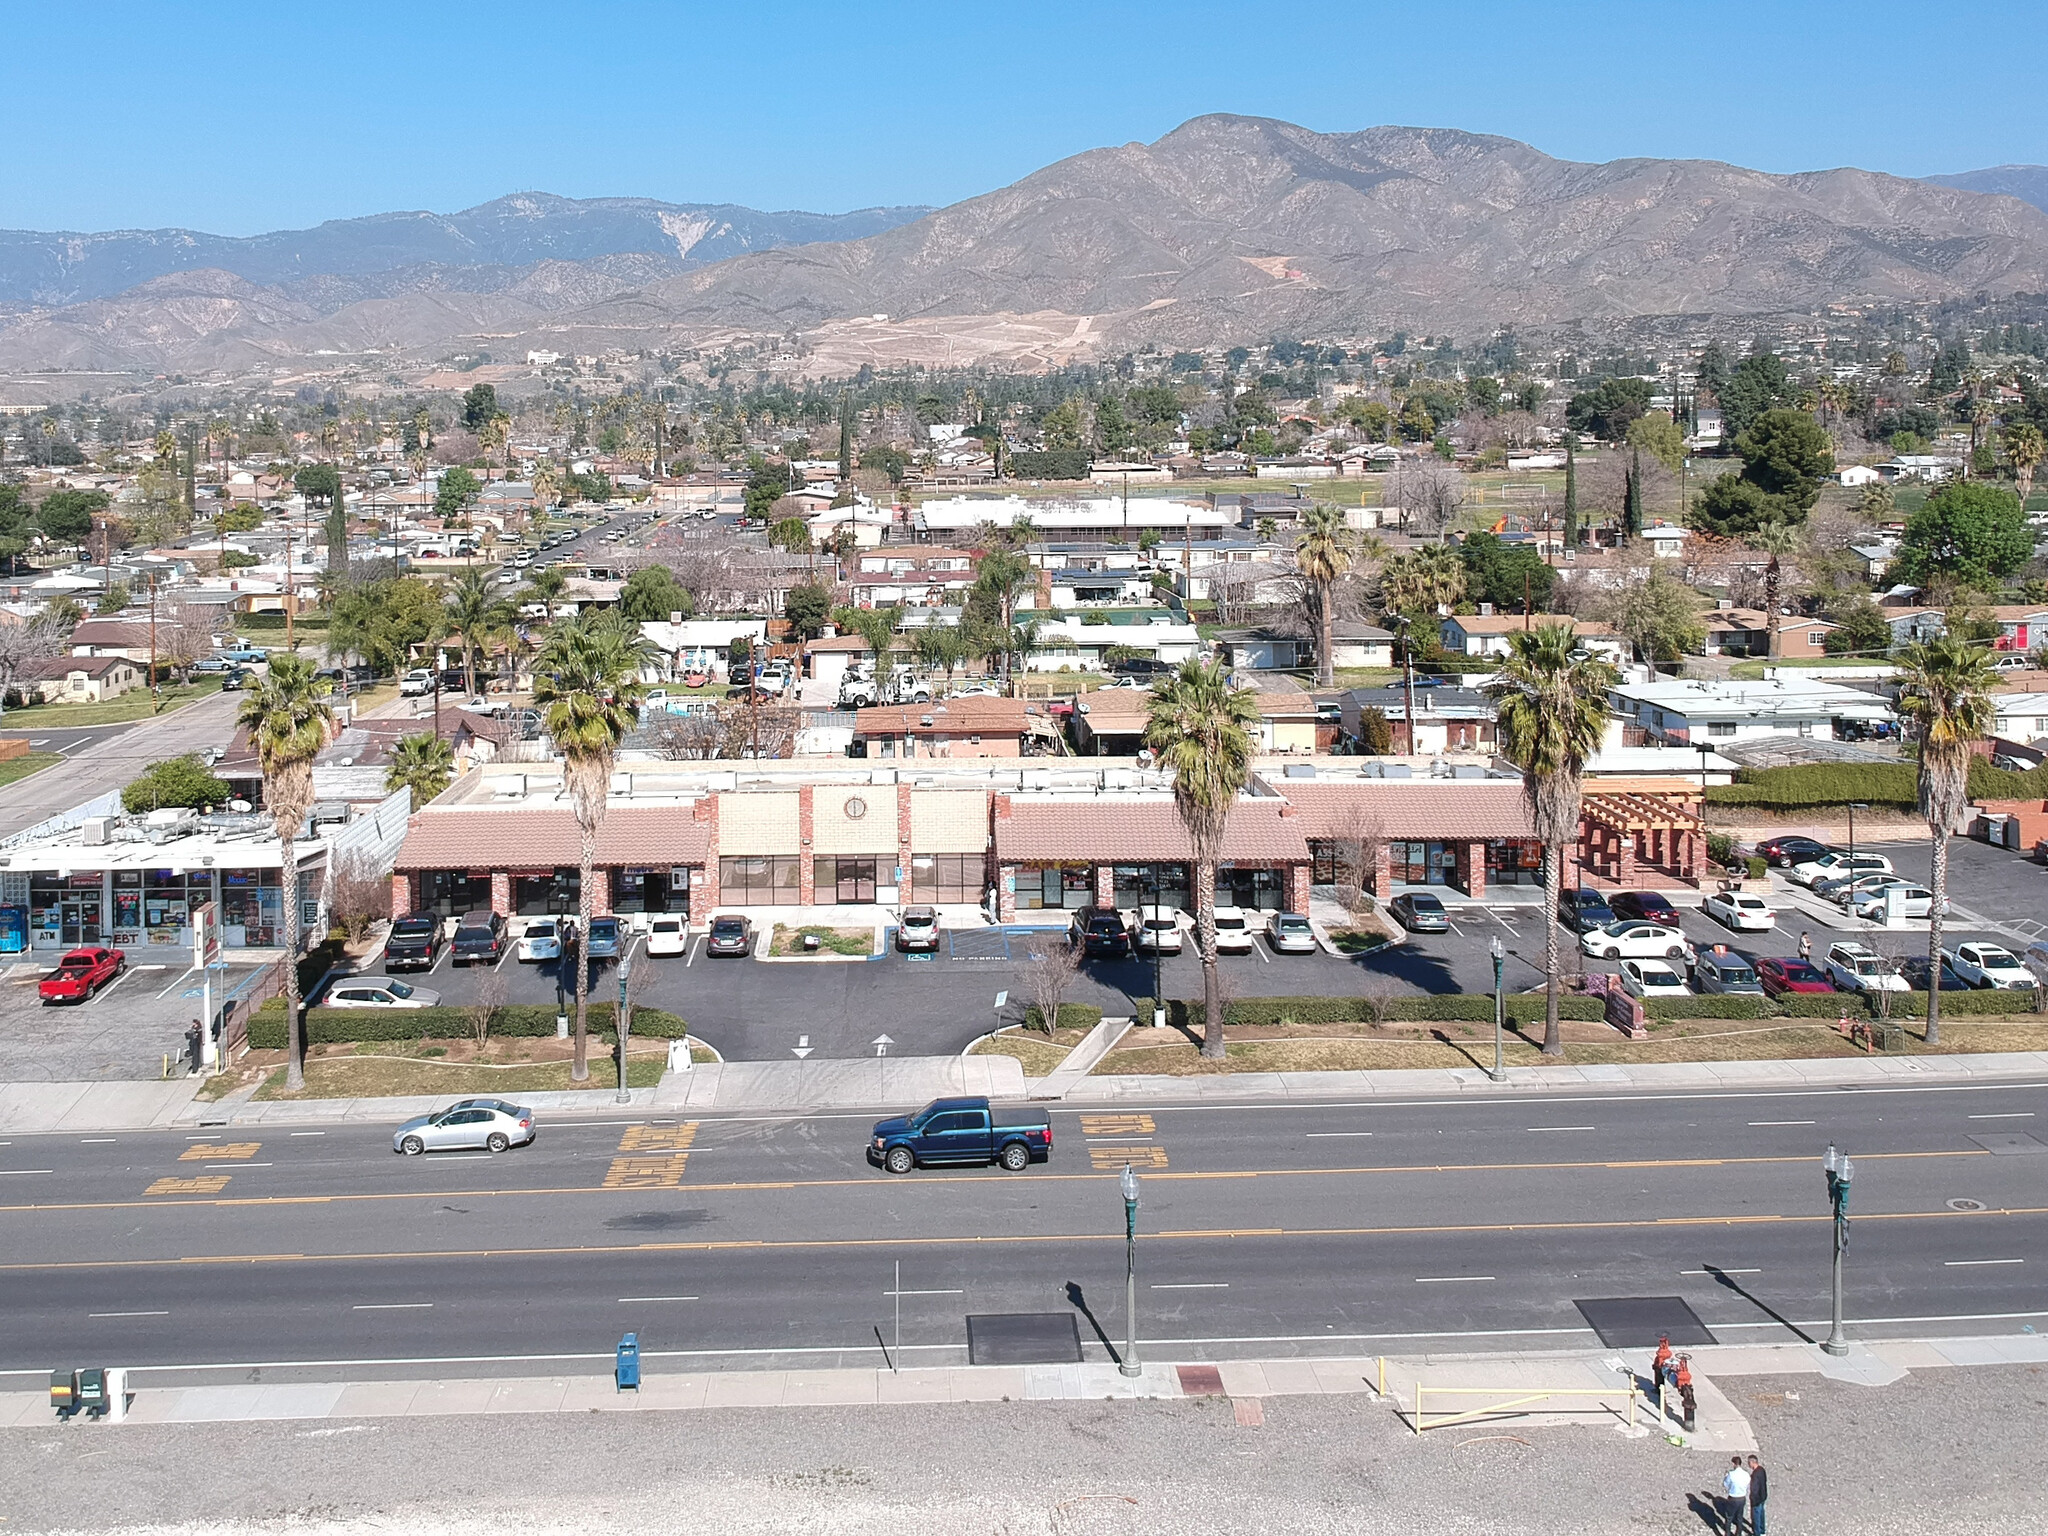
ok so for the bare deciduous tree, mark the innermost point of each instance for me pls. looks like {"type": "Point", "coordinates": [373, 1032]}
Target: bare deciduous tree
{"type": "Point", "coordinates": [1049, 974]}
{"type": "Point", "coordinates": [482, 1010]}
{"type": "Point", "coordinates": [1429, 492]}
{"type": "Point", "coordinates": [358, 896]}
{"type": "Point", "coordinates": [735, 730]}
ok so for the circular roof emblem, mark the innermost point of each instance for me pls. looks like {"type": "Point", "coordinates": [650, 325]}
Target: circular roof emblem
{"type": "Point", "coordinates": [856, 808]}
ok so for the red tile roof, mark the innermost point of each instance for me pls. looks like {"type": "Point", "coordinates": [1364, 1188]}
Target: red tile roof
{"type": "Point", "coordinates": [1423, 809]}
{"type": "Point", "coordinates": [1147, 830]}
{"type": "Point", "coordinates": [534, 837]}
{"type": "Point", "coordinates": [946, 717]}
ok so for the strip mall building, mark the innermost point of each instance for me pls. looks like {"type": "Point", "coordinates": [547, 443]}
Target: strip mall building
{"type": "Point", "coordinates": [688, 839]}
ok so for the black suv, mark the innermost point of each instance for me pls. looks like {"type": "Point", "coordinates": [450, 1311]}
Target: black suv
{"type": "Point", "coordinates": [415, 943]}
{"type": "Point", "coordinates": [1100, 933]}
{"type": "Point", "coordinates": [479, 936]}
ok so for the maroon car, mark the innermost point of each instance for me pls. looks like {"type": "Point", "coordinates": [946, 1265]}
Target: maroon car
{"type": "Point", "coordinates": [81, 973]}
{"type": "Point", "coordinates": [1781, 974]}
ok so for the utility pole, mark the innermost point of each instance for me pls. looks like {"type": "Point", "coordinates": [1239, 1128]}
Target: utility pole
{"type": "Point", "coordinates": [156, 697]}
{"type": "Point", "coordinates": [291, 600]}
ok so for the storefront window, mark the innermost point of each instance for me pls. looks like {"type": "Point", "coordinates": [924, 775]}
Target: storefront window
{"type": "Point", "coordinates": [1254, 889]}
{"type": "Point", "coordinates": [948, 877]}
{"type": "Point", "coordinates": [1514, 861]}
{"type": "Point", "coordinates": [251, 908]}
{"type": "Point", "coordinates": [1135, 885]}
{"type": "Point", "coordinates": [1053, 886]}
{"type": "Point", "coordinates": [127, 906]}
{"type": "Point", "coordinates": [452, 892]}
{"type": "Point", "coordinates": [765, 881]}
{"type": "Point", "coordinates": [849, 880]}
{"type": "Point", "coordinates": [544, 892]}
{"type": "Point", "coordinates": [1421, 863]}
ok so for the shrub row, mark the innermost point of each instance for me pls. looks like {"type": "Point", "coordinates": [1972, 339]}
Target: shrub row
{"type": "Point", "coordinates": [1814, 785]}
{"type": "Point", "coordinates": [527, 1021]}
{"type": "Point", "coordinates": [1527, 1008]}
{"type": "Point", "coordinates": [1072, 1016]}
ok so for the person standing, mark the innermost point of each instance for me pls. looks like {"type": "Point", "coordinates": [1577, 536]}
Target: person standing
{"type": "Point", "coordinates": [1806, 947]}
{"type": "Point", "coordinates": [1759, 1490]}
{"type": "Point", "coordinates": [1734, 1495]}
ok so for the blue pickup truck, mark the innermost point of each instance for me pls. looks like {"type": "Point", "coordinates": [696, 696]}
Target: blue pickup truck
{"type": "Point", "coordinates": [962, 1131]}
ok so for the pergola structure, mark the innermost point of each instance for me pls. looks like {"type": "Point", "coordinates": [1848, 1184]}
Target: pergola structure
{"type": "Point", "coordinates": [1621, 831]}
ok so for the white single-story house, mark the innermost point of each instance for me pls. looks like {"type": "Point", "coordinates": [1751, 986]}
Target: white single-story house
{"type": "Point", "coordinates": [1486, 634]}
{"type": "Point", "coordinates": [1697, 710]}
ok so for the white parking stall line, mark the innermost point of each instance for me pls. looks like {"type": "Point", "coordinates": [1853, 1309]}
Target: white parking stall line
{"type": "Point", "coordinates": [1720, 1271]}
{"type": "Point", "coordinates": [96, 1316]}
{"type": "Point", "coordinates": [634, 1300]}
{"type": "Point", "coordinates": [1974, 1263]}
{"type": "Point", "coordinates": [1450, 1279]}
{"type": "Point", "coordinates": [392, 1306]}
{"type": "Point", "coordinates": [1313, 1135]}
{"type": "Point", "coordinates": [178, 983]}
{"type": "Point", "coordinates": [2015, 1114]}
{"type": "Point", "coordinates": [924, 1293]}
{"type": "Point", "coordinates": [1781, 1122]}
{"type": "Point", "coordinates": [1195, 1285]}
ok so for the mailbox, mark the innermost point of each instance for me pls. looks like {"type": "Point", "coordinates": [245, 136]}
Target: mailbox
{"type": "Point", "coordinates": [64, 1393]}
{"type": "Point", "coordinates": [92, 1390]}
{"type": "Point", "coordinates": [627, 1372]}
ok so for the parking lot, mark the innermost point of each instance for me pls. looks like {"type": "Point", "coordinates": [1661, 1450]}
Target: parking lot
{"type": "Point", "coordinates": [126, 1030]}
{"type": "Point", "coordinates": [756, 1010]}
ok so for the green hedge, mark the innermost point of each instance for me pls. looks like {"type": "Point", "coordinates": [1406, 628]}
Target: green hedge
{"type": "Point", "coordinates": [1723, 1005]}
{"type": "Point", "coordinates": [1072, 1016]}
{"type": "Point", "coordinates": [1052, 464]}
{"type": "Point", "coordinates": [1815, 785]}
{"type": "Point", "coordinates": [347, 1026]}
{"type": "Point", "coordinates": [1913, 1005]}
{"type": "Point", "coordinates": [1435, 1008]}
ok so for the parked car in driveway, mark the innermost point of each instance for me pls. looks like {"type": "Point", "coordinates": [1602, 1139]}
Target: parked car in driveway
{"type": "Point", "coordinates": [1652, 978]}
{"type": "Point", "coordinates": [379, 992]}
{"type": "Point", "coordinates": [1854, 967]}
{"type": "Point", "coordinates": [1290, 934]}
{"type": "Point", "coordinates": [1990, 966]}
{"type": "Point", "coordinates": [917, 928]}
{"type": "Point", "coordinates": [1635, 941]}
{"type": "Point", "coordinates": [540, 939]}
{"type": "Point", "coordinates": [1718, 968]}
{"type": "Point", "coordinates": [1158, 928]}
{"type": "Point", "coordinates": [1876, 905]}
{"type": "Point", "coordinates": [1784, 852]}
{"type": "Point", "coordinates": [730, 934]}
{"type": "Point", "coordinates": [415, 942]}
{"type": "Point", "coordinates": [1647, 905]}
{"type": "Point", "coordinates": [1847, 890]}
{"type": "Point", "coordinates": [81, 973]}
{"type": "Point", "coordinates": [488, 1123]}
{"type": "Point", "coordinates": [1099, 933]}
{"type": "Point", "coordinates": [1420, 912]}
{"type": "Point", "coordinates": [1779, 974]}
{"type": "Point", "coordinates": [667, 936]}
{"type": "Point", "coordinates": [479, 936]}
{"type": "Point", "coordinates": [1838, 865]}
{"type": "Point", "coordinates": [1741, 911]}
{"type": "Point", "coordinates": [1233, 931]}
{"type": "Point", "coordinates": [1583, 910]}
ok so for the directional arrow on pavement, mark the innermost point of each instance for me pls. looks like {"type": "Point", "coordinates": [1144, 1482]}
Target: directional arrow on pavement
{"type": "Point", "coordinates": [802, 1048]}
{"type": "Point", "coordinates": [881, 1044]}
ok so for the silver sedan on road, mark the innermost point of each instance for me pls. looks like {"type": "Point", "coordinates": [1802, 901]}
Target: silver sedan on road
{"type": "Point", "coordinates": [490, 1124]}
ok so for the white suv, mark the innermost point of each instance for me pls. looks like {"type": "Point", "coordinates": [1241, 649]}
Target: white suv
{"type": "Point", "coordinates": [1857, 968]}
{"type": "Point", "coordinates": [1233, 932]}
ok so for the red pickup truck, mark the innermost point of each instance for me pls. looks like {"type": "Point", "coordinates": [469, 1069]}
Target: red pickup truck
{"type": "Point", "coordinates": [81, 973]}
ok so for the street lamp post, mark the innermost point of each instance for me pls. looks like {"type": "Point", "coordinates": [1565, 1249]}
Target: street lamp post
{"type": "Point", "coordinates": [625, 1025]}
{"type": "Point", "coordinates": [1128, 1366]}
{"type": "Point", "coordinates": [1158, 958]}
{"type": "Point", "coordinates": [1705, 750]}
{"type": "Point", "coordinates": [1500, 1072]}
{"type": "Point", "coordinates": [1839, 1172]}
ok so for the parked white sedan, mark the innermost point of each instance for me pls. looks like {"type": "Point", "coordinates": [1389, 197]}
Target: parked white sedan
{"type": "Point", "coordinates": [379, 992]}
{"type": "Point", "coordinates": [1740, 911]}
{"type": "Point", "coordinates": [1989, 965]}
{"type": "Point", "coordinates": [1233, 932]}
{"type": "Point", "coordinates": [667, 936]}
{"type": "Point", "coordinates": [541, 940]}
{"type": "Point", "coordinates": [1830, 866]}
{"type": "Point", "coordinates": [1636, 941]}
{"type": "Point", "coordinates": [1647, 979]}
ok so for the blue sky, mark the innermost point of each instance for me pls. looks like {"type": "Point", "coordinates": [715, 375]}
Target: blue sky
{"type": "Point", "coordinates": [235, 117]}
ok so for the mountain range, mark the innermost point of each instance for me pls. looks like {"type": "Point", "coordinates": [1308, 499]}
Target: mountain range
{"type": "Point", "coordinates": [1226, 229]}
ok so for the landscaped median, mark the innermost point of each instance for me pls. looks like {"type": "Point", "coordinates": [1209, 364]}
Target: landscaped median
{"type": "Point", "coordinates": [1308, 1034]}
{"type": "Point", "coordinates": [359, 1053]}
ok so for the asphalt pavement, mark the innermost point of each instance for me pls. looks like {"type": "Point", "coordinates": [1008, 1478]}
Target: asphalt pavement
{"type": "Point", "coordinates": [1265, 1230]}
{"type": "Point", "coordinates": [104, 757]}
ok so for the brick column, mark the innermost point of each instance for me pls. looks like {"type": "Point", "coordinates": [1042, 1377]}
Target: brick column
{"type": "Point", "coordinates": [1382, 873]}
{"type": "Point", "coordinates": [600, 891]}
{"type": "Point", "coordinates": [1475, 869]}
{"type": "Point", "coordinates": [907, 891]}
{"type": "Point", "coordinates": [501, 894]}
{"type": "Point", "coordinates": [1297, 887]}
{"type": "Point", "coordinates": [806, 887]}
{"type": "Point", "coordinates": [704, 898]}
{"type": "Point", "coordinates": [1105, 885]}
{"type": "Point", "coordinates": [1006, 895]}
{"type": "Point", "coordinates": [401, 894]}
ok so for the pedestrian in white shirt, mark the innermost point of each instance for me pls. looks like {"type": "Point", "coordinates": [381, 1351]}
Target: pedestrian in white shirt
{"type": "Point", "coordinates": [1734, 1495]}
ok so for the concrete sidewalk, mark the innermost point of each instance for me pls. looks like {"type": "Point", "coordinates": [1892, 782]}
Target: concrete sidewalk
{"type": "Point", "coordinates": [107, 1106]}
{"type": "Point", "coordinates": [1495, 1389]}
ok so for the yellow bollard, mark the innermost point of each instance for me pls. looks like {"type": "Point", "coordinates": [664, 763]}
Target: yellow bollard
{"type": "Point", "coordinates": [1383, 1375]}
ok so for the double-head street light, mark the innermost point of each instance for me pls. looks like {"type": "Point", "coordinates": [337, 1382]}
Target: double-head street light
{"type": "Point", "coordinates": [1500, 954]}
{"type": "Point", "coordinates": [1128, 1366]}
{"type": "Point", "coordinates": [625, 1025]}
{"type": "Point", "coordinates": [1839, 1172]}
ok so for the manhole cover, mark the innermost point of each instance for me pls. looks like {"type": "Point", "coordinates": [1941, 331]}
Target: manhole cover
{"type": "Point", "coordinates": [1966, 1205]}
{"type": "Point", "coordinates": [1635, 1322]}
{"type": "Point", "coordinates": [2010, 1143]}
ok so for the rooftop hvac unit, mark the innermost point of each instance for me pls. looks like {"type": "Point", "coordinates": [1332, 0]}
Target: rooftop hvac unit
{"type": "Point", "coordinates": [95, 830]}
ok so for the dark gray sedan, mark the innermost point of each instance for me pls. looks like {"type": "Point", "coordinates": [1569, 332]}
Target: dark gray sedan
{"type": "Point", "coordinates": [1420, 912]}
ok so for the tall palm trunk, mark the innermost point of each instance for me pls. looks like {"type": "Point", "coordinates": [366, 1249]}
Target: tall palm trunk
{"type": "Point", "coordinates": [1326, 675]}
{"type": "Point", "coordinates": [294, 1014]}
{"type": "Point", "coordinates": [579, 1066]}
{"type": "Point", "coordinates": [1553, 885]}
{"type": "Point", "coordinates": [1934, 925]}
{"type": "Point", "coordinates": [1205, 943]}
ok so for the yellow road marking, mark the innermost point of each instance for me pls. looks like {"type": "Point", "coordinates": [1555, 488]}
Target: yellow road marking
{"type": "Point", "coordinates": [1135, 1156]}
{"type": "Point", "coordinates": [658, 1138]}
{"type": "Point", "coordinates": [896, 1188]}
{"type": "Point", "coordinates": [1007, 1239]}
{"type": "Point", "coordinates": [209, 1184]}
{"type": "Point", "coordinates": [1116, 1125]}
{"type": "Point", "coordinates": [230, 1152]}
{"type": "Point", "coordinates": [647, 1172]}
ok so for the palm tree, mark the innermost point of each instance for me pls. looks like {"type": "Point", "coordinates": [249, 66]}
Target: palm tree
{"type": "Point", "coordinates": [546, 585]}
{"type": "Point", "coordinates": [289, 722]}
{"type": "Point", "coordinates": [877, 626]}
{"type": "Point", "coordinates": [473, 611]}
{"type": "Point", "coordinates": [2025, 448]}
{"type": "Point", "coordinates": [941, 646]}
{"type": "Point", "coordinates": [1423, 580]}
{"type": "Point", "coordinates": [547, 483]}
{"type": "Point", "coordinates": [423, 763]}
{"type": "Point", "coordinates": [1201, 728]}
{"type": "Point", "coordinates": [1775, 538]}
{"type": "Point", "coordinates": [1552, 703]}
{"type": "Point", "coordinates": [1945, 689]}
{"type": "Point", "coordinates": [587, 681]}
{"type": "Point", "coordinates": [493, 434]}
{"type": "Point", "coordinates": [1324, 552]}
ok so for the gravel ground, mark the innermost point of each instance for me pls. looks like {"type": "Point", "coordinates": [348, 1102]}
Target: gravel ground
{"type": "Point", "coordinates": [1944, 1451]}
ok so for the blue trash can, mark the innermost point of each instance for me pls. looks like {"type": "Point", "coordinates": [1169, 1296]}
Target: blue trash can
{"type": "Point", "coordinates": [627, 1372]}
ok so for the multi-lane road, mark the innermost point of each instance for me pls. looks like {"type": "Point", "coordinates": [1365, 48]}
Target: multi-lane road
{"type": "Point", "coordinates": [1266, 1229]}
{"type": "Point", "coordinates": [98, 758]}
